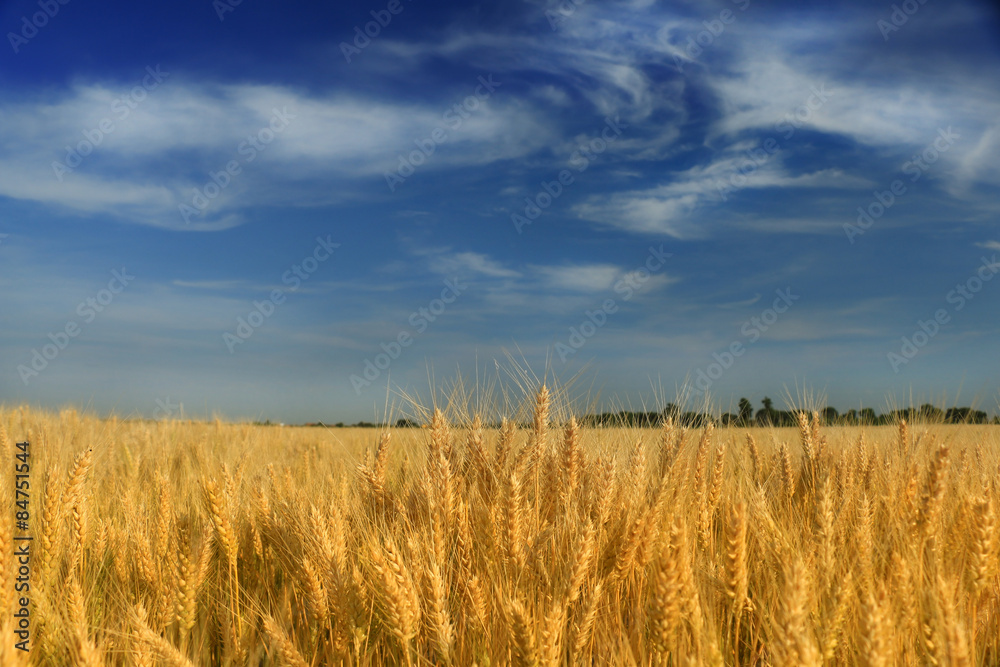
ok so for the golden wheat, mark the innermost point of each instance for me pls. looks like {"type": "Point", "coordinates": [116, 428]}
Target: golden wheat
{"type": "Point", "coordinates": [537, 540]}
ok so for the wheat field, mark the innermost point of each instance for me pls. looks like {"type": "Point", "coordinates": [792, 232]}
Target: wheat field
{"type": "Point", "coordinates": [194, 543]}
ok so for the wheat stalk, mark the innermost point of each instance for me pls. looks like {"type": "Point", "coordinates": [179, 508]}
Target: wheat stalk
{"type": "Point", "coordinates": [167, 651]}
{"type": "Point", "coordinates": [402, 604]}
{"type": "Point", "coordinates": [876, 549]}
{"type": "Point", "coordinates": [737, 577]}
{"type": "Point", "coordinates": [286, 648]}
{"type": "Point", "coordinates": [524, 647]}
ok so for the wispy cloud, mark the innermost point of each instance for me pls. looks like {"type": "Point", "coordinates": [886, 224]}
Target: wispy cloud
{"type": "Point", "coordinates": [212, 284]}
{"type": "Point", "coordinates": [470, 263]}
{"type": "Point", "coordinates": [133, 172]}
{"type": "Point", "coordinates": [741, 304]}
{"type": "Point", "coordinates": [581, 278]}
{"type": "Point", "coordinates": [667, 209]}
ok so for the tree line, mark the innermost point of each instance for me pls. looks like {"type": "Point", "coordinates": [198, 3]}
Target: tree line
{"type": "Point", "coordinates": [745, 415]}
{"type": "Point", "coordinates": [769, 416]}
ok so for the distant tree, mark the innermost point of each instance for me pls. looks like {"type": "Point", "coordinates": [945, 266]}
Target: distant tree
{"type": "Point", "coordinates": [746, 412]}
{"type": "Point", "coordinates": [965, 416]}
{"type": "Point", "coordinates": [406, 423]}
{"type": "Point", "coordinates": [695, 419]}
{"type": "Point", "coordinates": [930, 413]}
{"type": "Point", "coordinates": [768, 415]}
{"type": "Point", "coordinates": [851, 416]}
{"type": "Point", "coordinates": [867, 415]}
{"type": "Point", "coordinates": [830, 414]}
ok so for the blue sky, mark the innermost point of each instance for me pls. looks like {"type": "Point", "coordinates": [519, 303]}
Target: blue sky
{"type": "Point", "coordinates": [645, 196]}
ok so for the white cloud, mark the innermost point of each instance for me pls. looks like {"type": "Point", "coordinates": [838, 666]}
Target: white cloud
{"type": "Point", "coordinates": [580, 278]}
{"type": "Point", "coordinates": [979, 164]}
{"type": "Point", "coordinates": [740, 304]}
{"type": "Point", "coordinates": [464, 263]}
{"type": "Point", "coordinates": [899, 112]}
{"type": "Point", "coordinates": [667, 209]}
{"type": "Point", "coordinates": [753, 76]}
{"type": "Point", "coordinates": [211, 284]}
{"type": "Point", "coordinates": [154, 158]}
